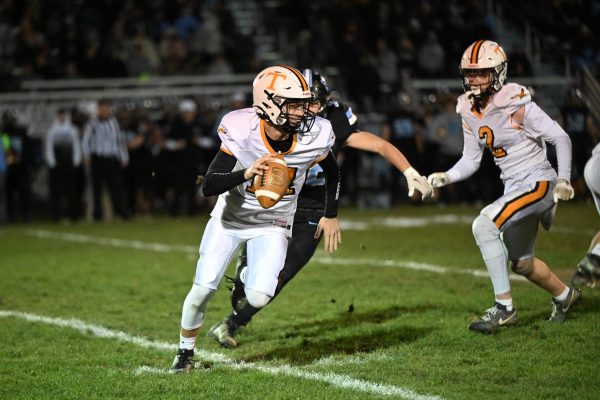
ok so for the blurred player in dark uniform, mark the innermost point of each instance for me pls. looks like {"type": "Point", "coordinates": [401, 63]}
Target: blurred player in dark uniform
{"type": "Point", "coordinates": [311, 203]}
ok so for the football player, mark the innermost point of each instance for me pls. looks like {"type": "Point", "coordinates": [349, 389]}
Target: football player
{"type": "Point", "coordinates": [278, 123]}
{"type": "Point", "coordinates": [311, 203]}
{"type": "Point", "coordinates": [503, 118]}
{"type": "Point", "coordinates": [588, 270]}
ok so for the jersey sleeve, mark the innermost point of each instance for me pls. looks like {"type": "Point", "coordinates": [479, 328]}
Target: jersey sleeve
{"type": "Point", "coordinates": [225, 131]}
{"type": "Point", "coordinates": [470, 160]}
{"type": "Point", "coordinates": [340, 117]}
{"type": "Point", "coordinates": [540, 126]}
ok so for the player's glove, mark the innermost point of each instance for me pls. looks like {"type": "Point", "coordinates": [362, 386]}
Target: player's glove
{"type": "Point", "coordinates": [563, 191]}
{"type": "Point", "coordinates": [438, 179]}
{"type": "Point", "coordinates": [418, 182]}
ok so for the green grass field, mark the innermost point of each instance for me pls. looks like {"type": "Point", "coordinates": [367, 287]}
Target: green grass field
{"type": "Point", "coordinates": [93, 310]}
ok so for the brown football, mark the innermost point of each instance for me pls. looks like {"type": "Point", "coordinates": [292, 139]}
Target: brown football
{"type": "Point", "coordinates": [272, 185]}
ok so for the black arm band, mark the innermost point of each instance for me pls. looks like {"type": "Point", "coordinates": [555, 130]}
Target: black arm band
{"type": "Point", "coordinates": [332, 185]}
{"type": "Point", "coordinates": [220, 177]}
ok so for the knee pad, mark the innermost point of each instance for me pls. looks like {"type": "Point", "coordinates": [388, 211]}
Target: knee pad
{"type": "Point", "coordinates": [522, 267]}
{"type": "Point", "coordinates": [194, 306]}
{"type": "Point", "coordinates": [257, 299]}
{"type": "Point", "coordinates": [484, 229]}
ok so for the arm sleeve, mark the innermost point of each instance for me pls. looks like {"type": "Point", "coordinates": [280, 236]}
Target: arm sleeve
{"type": "Point", "coordinates": [220, 176]}
{"type": "Point", "coordinates": [538, 123]}
{"type": "Point", "coordinates": [469, 162]}
{"type": "Point", "coordinates": [332, 184]}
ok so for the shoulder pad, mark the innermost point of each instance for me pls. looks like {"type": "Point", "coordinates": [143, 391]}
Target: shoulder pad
{"type": "Point", "coordinates": [333, 104]}
{"type": "Point", "coordinates": [512, 96]}
{"type": "Point", "coordinates": [463, 104]}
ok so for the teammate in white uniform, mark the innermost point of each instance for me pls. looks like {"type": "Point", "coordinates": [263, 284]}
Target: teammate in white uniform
{"type": "Point", "coordinates": [279, 122]}
{"type": "Point", "coordinates": [588, 270]}
{"type": "Point", "coordinates": [504, 119]}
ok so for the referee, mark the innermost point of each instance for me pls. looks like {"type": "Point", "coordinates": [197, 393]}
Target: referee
{"type": "Point", "coordinates": [105, 152]}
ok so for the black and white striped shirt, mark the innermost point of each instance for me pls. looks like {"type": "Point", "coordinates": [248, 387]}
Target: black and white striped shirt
{"type": "Point", "coordinates": [103, 137]}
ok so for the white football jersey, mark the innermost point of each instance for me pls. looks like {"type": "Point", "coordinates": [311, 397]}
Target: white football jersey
{"type": "Point", "coordinates": [243, 136]}
{"type": "Point", "coordinates": [519, 150]}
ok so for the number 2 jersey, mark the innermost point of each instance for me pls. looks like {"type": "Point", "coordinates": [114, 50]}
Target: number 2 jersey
{"type": "Point", "coordinates": [243, 136]}
{"type": "Point", "coordinates": [518, 149]}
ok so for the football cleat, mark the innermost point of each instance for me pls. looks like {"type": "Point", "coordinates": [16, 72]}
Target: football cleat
{"type": "Point", "coordinates": [183, 362]}
{"type": "Point", "coordinates": [238, 294]}
{"type": "Point", "coordinates": [561, 308]}
{"type": "Point", "coordinates": [587, 273]}
{"type": "Point", "coordinates": [494, 317]}
{"type": "Point", "coordinates": [223, 333]}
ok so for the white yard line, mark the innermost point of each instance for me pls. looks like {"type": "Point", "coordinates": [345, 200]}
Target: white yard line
{"type": "Point", "coordinates": [334, 260]}
{"type": "Point", "coordinates": [338, 380]}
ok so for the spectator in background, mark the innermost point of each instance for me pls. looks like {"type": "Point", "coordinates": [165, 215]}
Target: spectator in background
{"type": "Point", "coordinates": [519, 63]}
{"type": "Point", "coordinates": [18, 159]}
{"type": "Point", "coordinates": [178, 159]}
{"type": "Point", "coordinates": [404, 129]}
{"type": "Point", "coordinates": [63, 156]}
{"type": "Point", "coordinates": [575, 115]}
{"type": "Point", "coordinates": [219, 65]}
{"type": "Point", "coordinates": [141, 57]}
{"type": "Point", "coordinates": [431, 57]}
{"type": "Point", "coordinates": [445, 140]}
{"type": "Point", "coordinates": [105, 152]}
{"type": "Point", "coordinates": [137, 133]}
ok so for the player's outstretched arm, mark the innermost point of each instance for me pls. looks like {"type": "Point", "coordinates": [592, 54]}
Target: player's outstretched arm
{"type": "Point", "coordinates": [330, 228]}
{"type": "Point", "coordinates": [368, 141]}
{"type": "Point", "coordinates": [328, 225]}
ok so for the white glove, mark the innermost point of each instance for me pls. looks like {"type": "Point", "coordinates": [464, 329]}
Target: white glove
{"type": "Point", "coordinates": [563, 191]}
{"type": "Point", "coordinates": [438, 179]}
{"type": "Point", "coordinates": [418, 182]}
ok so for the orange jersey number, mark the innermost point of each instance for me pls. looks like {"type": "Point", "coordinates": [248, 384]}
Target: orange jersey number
{"type": "Point", "coordinates": [487, 133]}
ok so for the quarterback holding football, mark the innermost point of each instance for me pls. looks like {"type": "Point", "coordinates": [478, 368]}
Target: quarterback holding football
{"type": "Point", "coordinates": [278, 130]}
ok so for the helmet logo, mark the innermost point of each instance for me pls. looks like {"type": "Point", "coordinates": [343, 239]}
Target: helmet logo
{"type": "Point", "coordinates": [275, 76]}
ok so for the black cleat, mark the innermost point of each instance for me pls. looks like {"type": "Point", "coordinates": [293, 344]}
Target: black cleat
{"type": "Point", "coordinates": [495, 317]}
{"type": "Point", "coordinates": [561, 308]}
{"type": "Point", "coordinates": [183, 362]}
{"type": "Point", "coordinates": [587, 273]}
{"type": "Point", "coordinates": [223, 333]}
{"type": "Point", "coordinates": [238, 294]}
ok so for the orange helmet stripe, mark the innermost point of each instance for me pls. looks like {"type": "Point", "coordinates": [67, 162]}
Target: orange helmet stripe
{"type": "Point", "coordinates": [298, 75]}
{"type": "Point", "coordinates": [475, 52]}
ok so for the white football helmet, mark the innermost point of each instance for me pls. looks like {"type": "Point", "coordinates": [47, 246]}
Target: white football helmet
{"type": "Point", "coordinates": [277, 89]}
{"type": "Point", "coordinates": [484, 56]}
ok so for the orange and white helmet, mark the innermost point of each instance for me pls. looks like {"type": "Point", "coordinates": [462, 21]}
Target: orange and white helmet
{"type": "Point", "coordinates": [480, 57]}
{"type": "Point", "coordinates": [274, 89]}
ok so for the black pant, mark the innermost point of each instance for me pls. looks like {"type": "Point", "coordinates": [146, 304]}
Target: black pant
{"type": "Point", "coordinates": [18, 192]}
{"type": "Point", "coordinates": [300, 250]}
{"type": "Point", "coordinates": [63, 192]}
{"type": "Point", "coordinates": [108, 170]}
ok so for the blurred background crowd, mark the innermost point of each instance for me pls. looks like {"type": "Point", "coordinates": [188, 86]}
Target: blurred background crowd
{"type": "Point", "coordinates": [158, 76]}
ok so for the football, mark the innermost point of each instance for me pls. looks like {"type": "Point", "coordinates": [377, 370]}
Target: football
{"type": "Point", "coordinates": [272, 185]}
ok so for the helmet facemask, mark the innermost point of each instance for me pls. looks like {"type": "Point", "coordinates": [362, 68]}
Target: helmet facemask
{"type": "Point", "coordinates": [318, 89]}
{"type": "Point", "coordinates": [481, 58]}
{"type": "Point", "coordinates": [294, 115]}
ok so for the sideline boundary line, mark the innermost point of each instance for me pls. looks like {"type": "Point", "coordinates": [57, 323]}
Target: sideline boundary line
{"type": "Point", "coordinates": [165, 248]}
{"type": "Point", "coordinates": [339, 380]}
